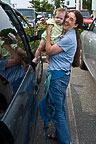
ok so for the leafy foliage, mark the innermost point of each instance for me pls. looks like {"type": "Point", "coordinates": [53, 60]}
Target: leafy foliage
{"type": "Point", "coordinates": [87, 5]}
{"type": "Point", "coordinates": [41, 6]}
{"type": "Point", "coordinates": [57, 3]}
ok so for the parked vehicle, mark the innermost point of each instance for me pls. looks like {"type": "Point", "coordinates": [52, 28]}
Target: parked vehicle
{"type": "Point", "coordinates": [88, 53]}
{"type": "Point", "coordinates": [18, 112]}
{"type": "Point", "coordinates": [86, 17]}
{"type": "Point", "coordinates": [30, 14]}
{"type": "Point", "coordinates": [69, 10]}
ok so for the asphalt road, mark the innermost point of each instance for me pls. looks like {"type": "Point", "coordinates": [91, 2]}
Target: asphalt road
{"type": "Point", "coordinates": [80, 109]}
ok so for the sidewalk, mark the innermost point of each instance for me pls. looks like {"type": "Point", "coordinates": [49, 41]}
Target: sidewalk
{"type": "Point", "coordinates": [81, 107]}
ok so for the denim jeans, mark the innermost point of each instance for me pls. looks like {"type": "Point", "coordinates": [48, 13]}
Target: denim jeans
{"type": "Point", "coordinates": [58, 89]}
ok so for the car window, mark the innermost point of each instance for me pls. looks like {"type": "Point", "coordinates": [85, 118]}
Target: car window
{"type": "Point", "coordinates": [30, 31]}
{"type": "Point", "coordinates": [27, 12]}
{"type": "Point", "coordinates": [93, 26]}
{"type": "Point", "coordinates": [8, 32]}
{"type": "Point", "coordinates": [5, 22]}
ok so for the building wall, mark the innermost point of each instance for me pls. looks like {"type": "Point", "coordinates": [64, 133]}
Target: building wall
{"type": "Point", "coordinates": [68, 3]}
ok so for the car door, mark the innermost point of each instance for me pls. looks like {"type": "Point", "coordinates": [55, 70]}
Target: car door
{"type": "Point", "coordinates": [34, 43]}
{"type": "Point", "coordinates": [88, 40]}
{"type": "Point", "coordinates": [20, 117]}
{"type": "Point", "coordinates": [92, 48]}
{"type": "Point", "coordinates": [18, 121]}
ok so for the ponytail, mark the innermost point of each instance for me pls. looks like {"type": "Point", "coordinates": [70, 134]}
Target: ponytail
{"type": "Point", "coordinates": [76, 61]}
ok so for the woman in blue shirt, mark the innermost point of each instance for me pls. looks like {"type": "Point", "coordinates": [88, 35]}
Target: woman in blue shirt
{"type": "Point", "coordinates": [61, 58]}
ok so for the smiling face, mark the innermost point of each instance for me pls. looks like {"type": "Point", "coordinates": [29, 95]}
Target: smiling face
{"type": "Point", "coordinates": [70, 22]}
{"type": "Point", "coordinates": [59, 17]}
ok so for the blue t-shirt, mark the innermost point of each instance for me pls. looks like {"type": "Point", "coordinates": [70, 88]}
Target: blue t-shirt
{"type": "Point", "coordinates": [64, 59]}
{"type": "Point", "coordinates": [12, 73]}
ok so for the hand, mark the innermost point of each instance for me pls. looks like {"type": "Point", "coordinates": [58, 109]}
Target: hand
{"type": "Point", "coordinates": [60, 36]}
{"type": "Point", "coordinates": [34, 60]}
{"type": "Point", "coordinates": [49, 29]}
{"type": "Point", "coordinates": [6, 45]}
{"type": "Point", "coordinates": [3, 38]}
{"type": "Point", "coordinates": [24, 65]}
{"type": "Point", "coordinates": [47, 59]}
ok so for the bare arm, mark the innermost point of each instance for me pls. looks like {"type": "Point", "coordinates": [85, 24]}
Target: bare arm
{"type": "Point", "coordinates": [51, 49]}
{"type": "Point", "coordinates": [21, 52]}
{"type": "Point", "coordinates": [39, 49]}
{"type": "Point", "coordinates": [12, 61]}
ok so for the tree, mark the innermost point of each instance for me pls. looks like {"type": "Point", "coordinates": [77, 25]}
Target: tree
{"type": "Point", "coordinates": [87, 4]}
{"type": "Point", "coordinates": [46, 6]}
{"type": "Point", "coordinates": [35, 4]}
{"type": "Point", "coordinates": [57, 3]}
{"type": "Point", "coordinates": [41, 6]}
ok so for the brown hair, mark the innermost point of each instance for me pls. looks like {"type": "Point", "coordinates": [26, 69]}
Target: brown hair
{"type": "Point", "coordinates": [76, 61]}
{"type": "Point", "coordinates": [79, 21]}
{"type": "Point", "coordinates": [59, 10]}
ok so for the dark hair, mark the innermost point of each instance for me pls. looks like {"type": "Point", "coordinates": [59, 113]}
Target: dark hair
{"type": "Point", "coordinates": [76, 61]}
{"type": "Point", "coordinates": [79, 21]}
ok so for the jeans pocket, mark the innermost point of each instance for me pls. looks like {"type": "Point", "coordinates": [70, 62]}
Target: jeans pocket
{"type": "Point", "coordinates": [64, 81]}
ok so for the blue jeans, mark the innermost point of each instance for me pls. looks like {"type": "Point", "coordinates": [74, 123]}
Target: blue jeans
{"type": "Point", "coordinates": [58, 89]}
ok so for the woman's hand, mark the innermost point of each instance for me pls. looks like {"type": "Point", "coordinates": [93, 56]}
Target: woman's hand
{"type": "Point", "coordinates": [6, 45]}
{"type": "Point", "coordinates": [49, 29]}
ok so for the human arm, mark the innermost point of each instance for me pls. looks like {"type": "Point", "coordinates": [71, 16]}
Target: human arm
{"type": "Point", "coordinates": [51, 49]}
{"type": "Point", "coordinates": [47, 59]}
{"type": "Point", "coordinates": [38, 51]}
{"type": "Point", "coordinates": [15, 59]}
{"type": "Point", "coordinates": [21, 52]}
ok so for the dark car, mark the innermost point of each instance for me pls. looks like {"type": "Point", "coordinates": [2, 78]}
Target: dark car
{"type": "Point", "coordinates": [19, 110]}
{"type": "Point", "coordinates": [88, 53]}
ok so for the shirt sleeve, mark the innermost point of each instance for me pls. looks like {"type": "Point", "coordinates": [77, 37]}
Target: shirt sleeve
{"type": "Point", "coordinates": [64, 43]}
{"type": "Point", "coordinates": [49, 22]}
{"type": "Point", "coordinates": [3, 63]}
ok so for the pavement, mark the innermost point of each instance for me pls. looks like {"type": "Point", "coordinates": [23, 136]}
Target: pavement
{"type": "Point", "coordinates": [80, 109]}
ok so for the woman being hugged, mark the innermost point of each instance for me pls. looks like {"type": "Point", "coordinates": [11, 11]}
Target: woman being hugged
{"type": "Point", "coordinates": [61, 58]}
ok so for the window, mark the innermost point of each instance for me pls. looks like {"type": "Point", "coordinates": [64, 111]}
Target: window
{"type": "Point", "coordinates": [67, 2]}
